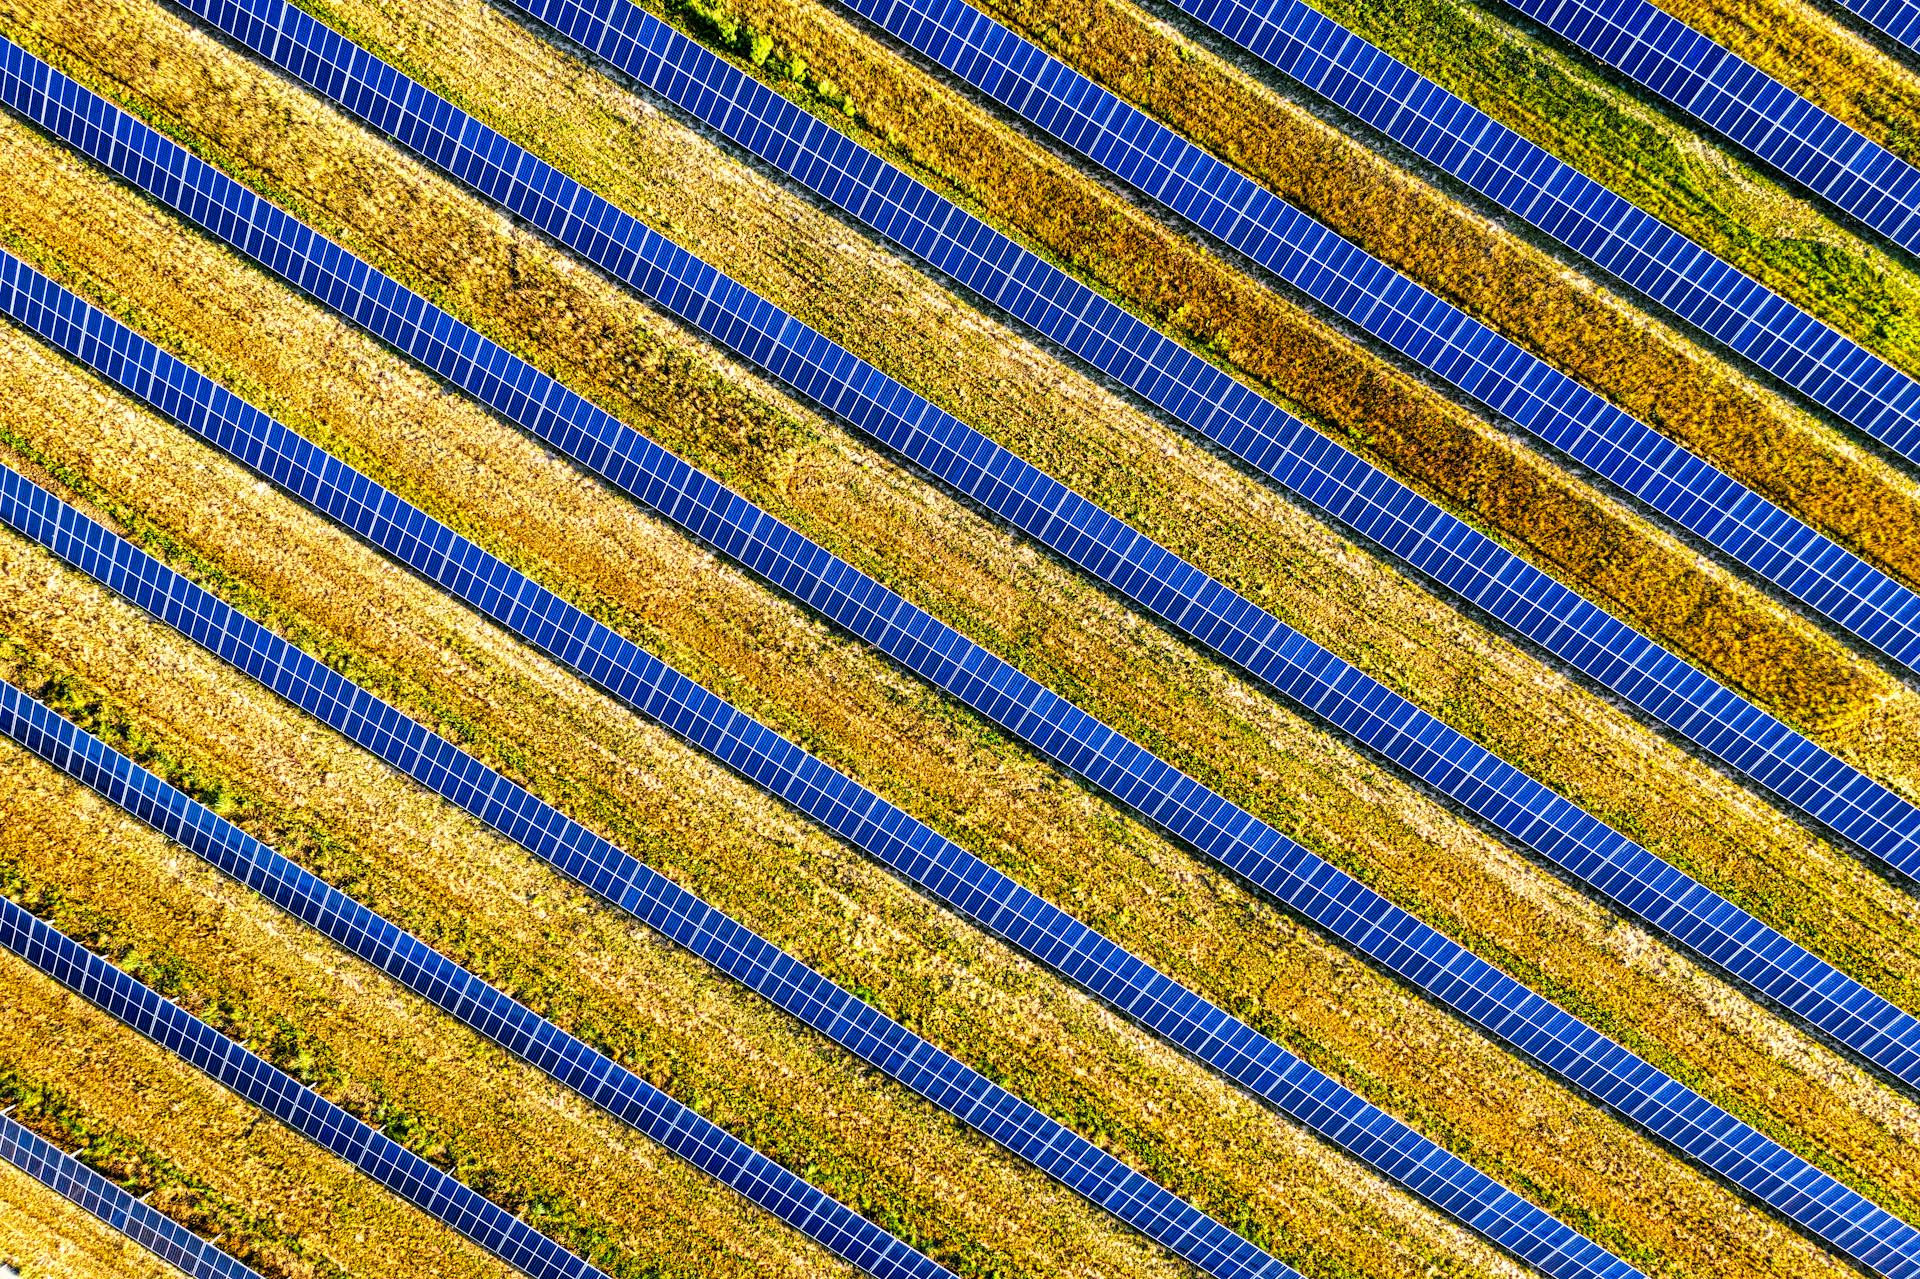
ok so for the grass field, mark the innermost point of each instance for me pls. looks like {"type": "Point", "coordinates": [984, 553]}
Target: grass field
{"type": "Point", "coordinates": [592, 1185]}
{"type": "Point", "coordinates": [1145, 892]}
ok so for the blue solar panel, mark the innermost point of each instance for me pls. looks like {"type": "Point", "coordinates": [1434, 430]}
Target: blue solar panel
{"type": "Point", "coordinates": [976, 890]}
{"type": "Point", "coordinates": [1066, 734]}
{"type": "Point", "coordinates": [1810, 567]}
{"type": "Point", "coordinates": [1147, 573]}
{"type": "Point", "coordinates": [1557, 199]}
{"type": "Point", "coordinates": [287, 1099]}
{"type": "Point", "coordinates": [1746, 106]}
{"type": "Point", "coordinates": [457, 992]}
{"type": "Point", "coordinates": [722, 941]}
{"type": "Point", "coordinates": [61, 1173]}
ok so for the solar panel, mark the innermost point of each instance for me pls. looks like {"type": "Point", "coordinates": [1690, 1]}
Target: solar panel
{"type": "Point", "coordinates": [1805, 564]}
{"type": "Point", "coordinates": [286, 1098]}
{"type": "Point", "coordinates": [965, 883]}
{"type": "Point", "coordinates": [729, 522]}
{"type": "Point", "coordinates": [1744, 105]}
{"type": "Point", "coordinates": [1601, 857]}
{"type": "Point", "coordinates": [457, 992]}
{"type": "Point", "coordinates": [66, 1176]}
{"type": "Point", "coordinates": [962, 881]}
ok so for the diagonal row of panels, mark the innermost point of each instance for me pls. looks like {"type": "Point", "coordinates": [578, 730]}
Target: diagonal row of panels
{"type": "Point", "coordinates": [1412, 320]}
{"type": "Point", "coordinates": [1899, 19]}
{"type": "Point", "coordinates": [1145, 572]}
{"type": "Point", "coordinates": [66, 1176]}
{"type": "Point", "coordinates": [1745, 105]}
{"type": "Point", "coordinates": [655, 690]}
{"type": "Point", "coordinates": [1192, 183]}
{"type": "Point", "coordinates": [286, 1098]}
{"type": "Point", "coordinates": [629, 461]}
{"type": "Point", "coordinates": [1828, 578]}
{"type": "Point", "coordinates": [1557, 199]}
{"type": "Point", "coordinates": [568, 1061]}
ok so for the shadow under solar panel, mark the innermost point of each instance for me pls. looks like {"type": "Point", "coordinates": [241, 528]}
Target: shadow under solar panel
{"type": "Point", "coordinates": [458, 993]}
{"type": "Point", "coordinates": [1744, 105]}
{"type": "Point", "coordinates": [66, 1176]}
{"type": "Point", "coordinates": [285, 1098]}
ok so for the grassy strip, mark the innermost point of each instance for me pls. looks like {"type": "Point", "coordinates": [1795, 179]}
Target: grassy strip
{"type": "Point", "coordinates": [140, 1115]}
{"type": "Point", "coordinates": [1378, 1038]}
{"type": "Point", "coordinates": [1821, 60]}
{"type": "Point", "coordinates": [346, 1030]}
{"type": "Point", "coordinates": [44, 1236]}
{"type": "Point", "coordinates": [282, 354]}
{"type": "Point", "coordinates": [1441, 448]}
{"type": "Point", "coordinates": [1643, 366]}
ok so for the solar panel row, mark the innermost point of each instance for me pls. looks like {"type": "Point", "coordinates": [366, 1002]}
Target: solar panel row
{"type": "Point", "coordinates": [628, 884]}
{"type": "Point", "coordinates": [286, 1098]}
{"type": "Point", "coordinates": [863, 818]}
{"type": "Point", "coordinates": [971, 887]}
{"type": "Point", "coordinates": [1744, 105]}
{"type": "Point", "coordinates": [1553, 197]}
{"type": "Point", "coordinates": [1680, 696]}
{"type": "Point", "coordinates": [61, 1173]}
{"type": "Point", "coordinates": [1549, 1035]}
{"type": "Point", "coordinates": [457, 992]}
{"type": "Point", "coordinates": [1805, 564]}
{"type": "Point", "coordinates": [1166, 585]}
{"type": "Point", "coordinates": [1441, 338]}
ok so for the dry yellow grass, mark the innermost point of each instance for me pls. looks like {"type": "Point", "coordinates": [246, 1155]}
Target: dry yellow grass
{"type": "Point", "coordinates": [287, 1207]}
{"type": "Point", "coordinates": [43, 1236]}
{"type": "Point", "coordinates": [343, 1027]}
{"type": "Point", "coordinates": [1373, 1034]}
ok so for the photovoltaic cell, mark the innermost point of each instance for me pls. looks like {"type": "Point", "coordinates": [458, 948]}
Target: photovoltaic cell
{"type": "Point", "coordinates": [1805, 564]}
{"type": "Point", "coordinates": [1744, 105]}
{"type": "Point", "coordinates": [653, 689]}
{"type": "Point", "coordinates": [947, 871]}
{"type": "Point", "coordinates": [1066, 734]}
{"type": "Point", "coordinates": [1899, 19]}
{"type": "Point", "coordinates": [1680, 696]}
{"type": "Point", "coordinates": [61, 1173]}
{"type": "Point", "coordinates": [457, 992]}
{"type": "Point", "coordinates": [286, 1099]}
{"type": "Point", "coordinates": [1601, 857]}
{"type": "Point", "coordinates": [1557, 199]}
{"type": "Point", "coordinates": [688, 920]}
